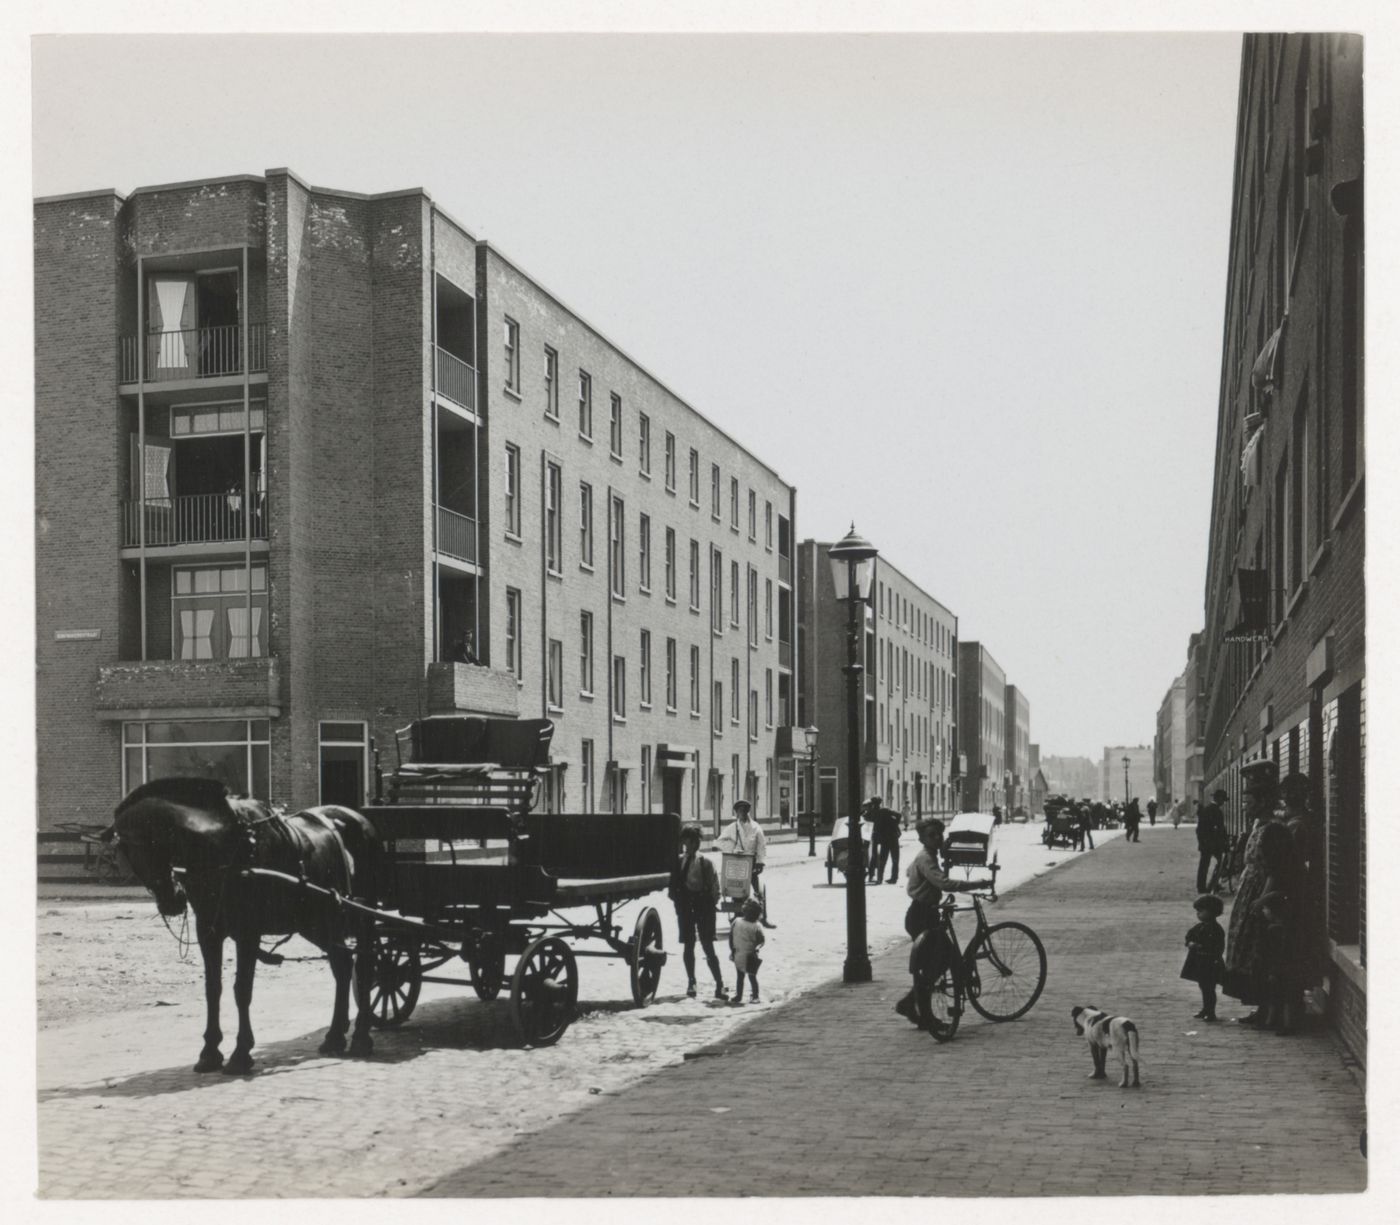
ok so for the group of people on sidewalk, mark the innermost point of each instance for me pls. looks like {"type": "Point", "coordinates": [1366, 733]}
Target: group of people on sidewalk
{"type": "Point", "coordinates": [1270, 954]}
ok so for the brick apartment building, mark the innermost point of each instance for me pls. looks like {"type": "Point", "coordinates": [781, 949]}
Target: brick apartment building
{"type": "Point", "coordinates": [1016, 786]}
{"type": "Point", "coordinates": [311, 464]}
{"type": "Point", "coordinates": [1169, 746]}
{"type": "Point", "coordinates": [909, 653]}
{"type": "Point", "coordinates": [1193, 710]}
{"type": "Point", "coordinates": [1283, 659]}
{"type": "Point", "coordinates": [981, 728]}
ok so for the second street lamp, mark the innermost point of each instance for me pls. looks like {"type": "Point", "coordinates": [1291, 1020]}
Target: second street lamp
{"type": "Point", "coordinates": [1126, 760]}
{"type": "Point", "coordinates": [852, 571]}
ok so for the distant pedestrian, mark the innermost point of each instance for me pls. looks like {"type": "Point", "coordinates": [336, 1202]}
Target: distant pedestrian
{"type": "Point", "coordinates": [1205, 944]}
{"type": "Point", "coordinates": [745, 939]}
{"type": "Point", "coordinates": [1132, 819]}
{"type": "Point", "coordinates": [1152, 811]}
{"type": "Point", "coordinates": [695, 890]}
{"type": "Point", "coordinates": [1211, 839]}
{"type": "Point", "coordinates": [1084, 827]}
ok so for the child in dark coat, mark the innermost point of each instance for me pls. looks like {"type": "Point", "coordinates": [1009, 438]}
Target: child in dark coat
{"type": "Point", "coordinates": [1205, 944]}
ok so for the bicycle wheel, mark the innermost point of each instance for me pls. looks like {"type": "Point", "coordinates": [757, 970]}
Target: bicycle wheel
{"type": "Point", "coordinates": [937, 998]}
{"type": "Point", "coordinates": [1006, 969]}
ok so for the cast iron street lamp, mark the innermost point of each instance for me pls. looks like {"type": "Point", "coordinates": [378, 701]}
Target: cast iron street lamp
{"type": "Point", "coordinates": [1126, 760]}
{"type": "Point", "coordinates": [852, 569]}
{"type": "Point", "coordinates": [813, 793]}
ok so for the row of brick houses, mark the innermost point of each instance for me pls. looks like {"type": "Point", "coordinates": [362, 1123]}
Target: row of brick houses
{"type": "Point", "coordinates": [312, 464]}
{"type": "Point", "coordinates": [1278, 670]}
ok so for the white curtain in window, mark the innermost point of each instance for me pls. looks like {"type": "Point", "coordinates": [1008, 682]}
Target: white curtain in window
{"type": "Point", "coordinates": [195, 625]}
{"type": "Point", "coordinates": [238, 632]}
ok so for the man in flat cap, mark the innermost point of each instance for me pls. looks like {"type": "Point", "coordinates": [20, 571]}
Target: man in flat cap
{"type": "Point", "coordinates": [1212, 840]}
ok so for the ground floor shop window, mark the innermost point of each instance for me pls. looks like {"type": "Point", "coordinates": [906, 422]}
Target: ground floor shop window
{"type": "Point", "coordinates": [234, 751]}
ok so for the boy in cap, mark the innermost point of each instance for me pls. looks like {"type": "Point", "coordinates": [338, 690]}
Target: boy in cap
{"type": "Point", "coordinates": [742, 836]}
{"type": "Point", "coordinates": [695, 890]}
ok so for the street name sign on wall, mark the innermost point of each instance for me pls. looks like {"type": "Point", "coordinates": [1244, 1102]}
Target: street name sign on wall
{"type": "Point", "coordinates": [76, 635]}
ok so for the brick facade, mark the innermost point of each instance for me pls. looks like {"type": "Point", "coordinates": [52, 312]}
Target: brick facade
{"type": "Point", "coordinates": [981, 727]}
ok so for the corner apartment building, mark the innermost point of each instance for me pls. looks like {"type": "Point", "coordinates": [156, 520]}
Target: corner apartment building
{"type": "Point", "coordinates": [311, 464]}
{"type": "Point", "coordinates": [909, 655]}
{"type": "Point", "coordinates": [1284, 643]}
{"type": "Point", "coordinates": [1137, 777]}
{"type": "Point", "coordinates": [1018, 750]}
{"type": "Point", "coordinates": [1169, 746]}
{"type": "Point", "coordinates": [981, 727]}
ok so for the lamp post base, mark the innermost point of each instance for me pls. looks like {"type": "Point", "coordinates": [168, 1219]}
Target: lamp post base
{"type": "Point", "coordinates": [856, 970]}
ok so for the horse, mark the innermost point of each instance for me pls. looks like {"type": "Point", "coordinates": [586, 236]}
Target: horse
{"type": "Point", "coordinates": [213, 837]}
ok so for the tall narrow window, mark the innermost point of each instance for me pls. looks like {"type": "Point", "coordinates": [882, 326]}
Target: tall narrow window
{"type": "Point", "coordinates": [768, 525]}
{"type": "Point", "coordinates": [714, 492]}
{"type": "Point", "coordinates": [670, 462]}
{"type": "Point", "coordinates": [670, 674]}
{"type": "Point", "coordinates": [644, 553]}
{"type": "Point", "coordinates": [619, 694]}
{"type": "Point", "coordinates": [615, 425]}
{"type": "Point", "coordinates": [734, 502]}
{"type": "Point", "coordinates": [556, 674]}
{"type": "Point", "coordinates": [585, 524]}
{"type": "Point", "coordinates": [585, 653]}
{"type": "Point", "coordinates": [513, 652]}
{"type": "Point", "coordinates": [695, 576]}
{"type": "Point", "coordinates": [646, 778]}
{"type": "Point", "coordinates": [585, 765]}
{"type": "Point", "coordinates": [753, 606]}
{"type": "Point", "coordinates": [768, 697]}
{"type": "Point", "coordinates": [753, 515]}
{"type": "Point", "coordinates": [511, 355]}
{"type": "Point", "coordinates": [512, 489]}
{"type": "Point", "coordinates": [553, 539]}
{"type": "Point", "coordinates": [551, 383]}
{"type": "Point", "coordinates": [695, 680]}
{"type": "Point", "coordinates": [618, 559]}
{"type": "Point", "coordinates": [733, 593]}
{"type": "Point", "coordinates": [716, 591]}
{"type": "Point", "coordinates": [717, 707]}
{"type": "Point", "coordinates": [768, 608]}
{"type": "Point", "coordinates": [753, 714]}
{"type": "Point", "coordinates": [585, 404]}
{"type": "Point", "coordinates": [644, 670]}
{"type": "Point", "coordinates": [734, 691]}
{"type": "Point", "coordinates": [671, 564]}
{"type": "Point", "coordinates": [644, 443]}
{"type": "Point", "coordinates": [694, 477]}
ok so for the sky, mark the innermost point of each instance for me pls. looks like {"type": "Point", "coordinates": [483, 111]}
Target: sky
{"type": "Point", "coordinates": [964, 291]}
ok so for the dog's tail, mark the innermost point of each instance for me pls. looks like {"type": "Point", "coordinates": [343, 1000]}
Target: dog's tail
{"type": "Point", "coordinates": [1130, 1035]}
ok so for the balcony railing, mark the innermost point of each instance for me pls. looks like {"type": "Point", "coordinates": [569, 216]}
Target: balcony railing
{"type": "Point", "coordinates": [194, 353]}
{"type": "Point", "coordinates": [201, 518]}
{"type": "Point", "coordinates": [456, 535]}
{"type": "Point", "coordinates": [784, 569]}
{"type": "Point", "coordinates": [456, 379]}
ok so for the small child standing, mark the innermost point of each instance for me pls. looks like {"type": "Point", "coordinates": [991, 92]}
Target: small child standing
{"type": "Point", "coordinates": [745, 937]}
{"type": "Point", "coordinates": [1206, 949]}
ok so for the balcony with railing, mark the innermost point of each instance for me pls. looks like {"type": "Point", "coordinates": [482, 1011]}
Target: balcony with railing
{"type": "Point", "coordinates": [456, 535]}
{"type": "Point", "coordinates": [201, 518]}
{"type": "Point", "coordinates": [194, 353]}
{"type": "Point", "coordinates": [456, 380]}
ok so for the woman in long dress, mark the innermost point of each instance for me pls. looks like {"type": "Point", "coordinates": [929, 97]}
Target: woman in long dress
{"type": "Point", "coordinates": [1265, 861]}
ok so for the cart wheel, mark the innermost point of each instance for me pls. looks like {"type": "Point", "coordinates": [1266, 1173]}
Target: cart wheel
{"type": "Point", "coordinates": [937, 997]}
{"type": "Point", "coordinates": [647, 957]}
{"type": "Point", "coordinates": [488, 966]}
{"type": "Point", "coordinates": [543, 991]}
{"type": "Point", "coordinates": [1007, 965]}
{"type": "Point", "coordinates": [398, 977]}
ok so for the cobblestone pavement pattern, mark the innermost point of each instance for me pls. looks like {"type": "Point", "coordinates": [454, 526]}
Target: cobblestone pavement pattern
{"type": "Point", "coordinates": [835, 1082]}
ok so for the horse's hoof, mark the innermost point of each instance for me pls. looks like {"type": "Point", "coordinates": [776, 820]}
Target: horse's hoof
{"type": "Point", "coordinates": [333, 1045]}
{"type": "Point", "coordinates": [240, 1064]}
{"type": "Point", "coordinates": [361, 1048]}
{"type": "Point", "coordinates": [210, 1062]}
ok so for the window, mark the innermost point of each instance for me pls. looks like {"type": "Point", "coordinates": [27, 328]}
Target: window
{"type": "Point", "coordinates": [753, 606]}
{"type": "Point", "coordinates": [768, 608]}
{"type": "Point", "coordinates": [514, 659]}
{"type": "Point", "coordinates": [714, 492]}
{"type": "Point", "coordinates": [734, 502]}
{"type": "Point", "coordinates": [717, 707]}
{"type": "Point", "coordinates": [619, 687]}
{"type": "Point", "coordinates": [644, 444]}
{"type": "Point", "coordinates": [585, 524]}
{"type": "Point", "coordinates": [670, 461]}
{"type": "Point", "coordinates": [585, 653]}
{"type": "Point", "coordinates": [768, 525]}
{"type": "Point", "coordinates": [695, 680]}
{"type": "Point", "coordinates": [733, 593]}
{"type": "Point", "coordinates": [753, 714]}
{"type": "Point", "coordinates": [512, 490]}
{"type": "Point", "coordinates": [671, 564]}
{"type": "Point", "coordinates": [646, 778]}
{"type": "Point", "coordinates": [556, 674]}
{"type": "Point", "coordinates": [716, 591]}
{"type": "Point", "coordinates": [670, 674]}
{"type": "Point", "coordinates": [695, 576]}
{"type": "Point", "coordinates": [344, 754]}
{"type": "Point", "coordinates": [694, 477]}
{"type": "Point", "coordinates": [753, 515]}
{"type": "Point", "coordinates": [618, 559]}
{"type": "Point", "coordinates": [553, 538]}
{"type": "Point", "coordinates": [234, 751]}
{"type": "Point", "coordinates": [615, 425]}
{"type": "Point", "coordinates": [209, 612]}
{"type": "Point", "coordinates": [768, 697]}
{"type": "Point", "coordinates": [585, 404]}
{"type": "Point", "coordinates": [551, 384]}
{"type": "Point", "coordinates": [585, 765]}
{"type": "Point", "coordinates": [644, 549]}
{"type": "Point", "coordinates": [644, 671]}
{"type": "Point", "coordinates": [734, 691]}
{"type": "Point", "coordinates": [511, 355]}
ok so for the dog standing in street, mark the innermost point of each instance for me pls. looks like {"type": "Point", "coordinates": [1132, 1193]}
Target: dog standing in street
{"type": "Point", "coordinates": [1106, 1032]}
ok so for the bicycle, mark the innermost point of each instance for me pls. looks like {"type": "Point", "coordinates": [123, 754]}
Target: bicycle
{"type": "Point", "coordinates": [101, 859]}
{"type": "Point", "coordinates": [1227, 869]}
{"type": "Point", "coordinates": [1001, 973]}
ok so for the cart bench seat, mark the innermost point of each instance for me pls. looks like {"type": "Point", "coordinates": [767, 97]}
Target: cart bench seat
{"type": "Point", "coordinates": [445, 823]}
